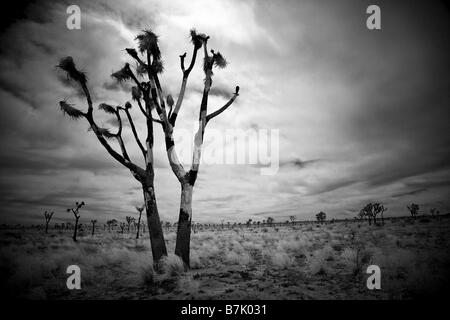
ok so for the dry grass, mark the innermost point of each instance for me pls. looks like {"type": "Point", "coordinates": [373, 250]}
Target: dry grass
{"type": "Point", "coordinates": [301, 262]}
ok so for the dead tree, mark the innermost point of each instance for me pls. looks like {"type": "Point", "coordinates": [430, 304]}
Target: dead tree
{"type": "Point", "coordinates": [139, 209]}
{"type": "Point", "coordinates": [168, 118]}
{"type": "Point", "coordinates": [77, 217]}
{"type": "Point", "coordinates": [48, 216]}
{"type": "Point", "coordinates": [93, 226]}
{"type": "Point", "coordinates": [143, 91]}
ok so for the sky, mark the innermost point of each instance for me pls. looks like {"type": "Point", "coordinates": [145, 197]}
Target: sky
{"type": "Point", "coordinates": [362, 115]}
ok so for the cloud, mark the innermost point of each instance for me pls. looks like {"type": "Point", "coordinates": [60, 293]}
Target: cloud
{"type": "Point", "coordinates": [362, 114]}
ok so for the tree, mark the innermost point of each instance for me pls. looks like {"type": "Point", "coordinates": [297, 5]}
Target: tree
{"type": "Point", "coordinates": [111, 224]}
{"type": "Point", "coordinates": [368, 212]}
{"type": "Point", "coordinates": [413, 209]}
{"type": "Point", "coordinates": [292, 218]}
{"type": "Point", "coordinates": [378, 208]}
{"type": "Point", "coordinates": [129, 220]}
{"type": "Point", "coordinates": [321, 216]}
{"type": "Point", "coordinates": [148, 93]}
{"type": "Point", "coordinates": [270, 220]}
{"type": "Point", "coordinates": [77, 217]}
{"type": "Point", "coordinates": [48, 216]}
{"type": "Point", "coordinates": [122, 226]}
{"type": "Point", "coordinates": [139, 209]}
{"type": "Point", "coordinates": [93, 226]}
{"type": "Point", "coordinates": [167, 118]}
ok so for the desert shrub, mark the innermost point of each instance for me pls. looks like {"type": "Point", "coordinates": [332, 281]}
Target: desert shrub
{"type": "Point", "coordinates": [172, 265]}
{"type": "Point", "coordinates": [187, 284]}
{"type": "Point", "coordinates": [236, 258]}
{"type": "Point", "coordinates": [148, 276]}
{"type": "Point", "coordinates": [281, 259]}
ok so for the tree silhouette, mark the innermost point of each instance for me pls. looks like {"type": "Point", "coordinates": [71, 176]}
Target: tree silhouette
{"type": "Point", "coordinates": [167, 118]}
{"type": "Point", "coordinates": [378, 208]}
{"type": "Point", "coordinates": [413, 209]}
{"type": "Point", "coordinates": [93, 226]}
{"type": "Point", "coordinates": [48, 216]}
{"type": "Point", "coordinates": [147, 92]}
{"type": "Point", "coordinates": [77, 217]}
{"type": "Point", "coordinates": [129, 220]}
{"type": "Point", "coordinates": [321, 217]}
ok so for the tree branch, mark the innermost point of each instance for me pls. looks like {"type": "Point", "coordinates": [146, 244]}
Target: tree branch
{"type": "Point", "coordinates": [176, 110]}
{"type": "Point", "coordinates": [219, 111]}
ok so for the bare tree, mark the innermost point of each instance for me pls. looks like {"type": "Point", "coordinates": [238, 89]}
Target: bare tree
{"type": "Point", "coordinates": [48, 216]}
{"type": "Point", "coordinates": [145, 91]}
{"type": "Point", "coordinates": [139, 209]}
{"type": "Point", "coordinates": [93, 226]}
{"type": "Point", "coordinates": [168, 118]}
{"type": "Point", "coordinates": [77, 217]}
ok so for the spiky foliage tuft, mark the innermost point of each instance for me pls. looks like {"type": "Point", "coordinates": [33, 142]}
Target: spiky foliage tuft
{"type": "Point", "coordinates": [104, 132]}
{"type": "Point", "coordinates": [169, 100]}
{"type": "Point", "coordinates": [71, 111]}
{"type": "Point", "coordinates": [198, 38]}
{"type": "Point", "coordinates": [123, 74]}
{"type": "Point", "coordinates": [136, 93]}
{"type": "Point", "coordinates": [157, 66]}
{"type": "Point", "coordinates": [107, 108]}
{"type": "Point", "coordinates": [219, 60]}
{"type": "Point", "coordinates": [132, 52]}
{"type": "Point", "coordinates": [68, 65]}
{"type": "Point", "coordinates": [148, 41]}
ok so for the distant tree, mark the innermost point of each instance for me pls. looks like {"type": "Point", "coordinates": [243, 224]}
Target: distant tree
{"type": "Point", "coordinates": [111, 224]}
{"type": "Point", "coordinates": [129, 220]}
{"type": "Point", "coordinates": [378, 208]}
{"type": "Point", "coordinates": [75, 212]}
{"type": "Point", "coordinates": [248, 223]}
{"type": "Point", "coordinates": [139, 209]}
{"type": "Point", "coordinates": [48, 216]}
{"type": "Point", "coordinates": [321, 217]}
{"type": "Point", "coordinates": [93, 226]}
{"type": "Point", "coordinates": [122, 227]}
{"type": "Point", "coordinates": [270, 221]}
{"type": "Point", "coordinates": [292, 218]}
{"type": "Point", "coordinates": [413, 209]}
{"type": "Point", "coordinates": [367, 211]}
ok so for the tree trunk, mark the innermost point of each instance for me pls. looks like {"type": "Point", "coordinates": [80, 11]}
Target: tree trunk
{"type": "Point", "coordinates": [184, 224]}
{"type": "Point", "coordinates": [75, 230]}
{"type": "Point", "coordinates": [154, 226]}
{"type": "Point", "coordinates": [138, 225]}
{"type": "Point", "coordinates": [46, 228]}
{"type": "Point", "coordinates": [93, 229]}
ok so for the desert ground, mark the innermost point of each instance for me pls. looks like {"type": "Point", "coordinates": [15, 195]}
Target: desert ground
{"type": "Point", "coordinates": [304, 261]}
